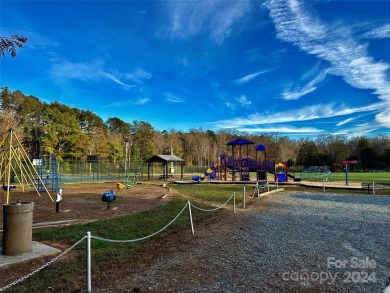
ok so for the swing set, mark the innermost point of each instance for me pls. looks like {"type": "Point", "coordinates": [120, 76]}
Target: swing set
{"type": "Point", "coordinates": [15, 166]}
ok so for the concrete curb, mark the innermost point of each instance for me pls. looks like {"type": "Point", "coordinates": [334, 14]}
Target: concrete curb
{"type": "Point", "coordinates": [38, 250]}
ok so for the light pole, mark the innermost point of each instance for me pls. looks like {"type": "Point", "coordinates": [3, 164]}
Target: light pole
{"type": "Point", "coordinates": [131, 145]}
{"type": "Point", "coordinates": [126, 151]}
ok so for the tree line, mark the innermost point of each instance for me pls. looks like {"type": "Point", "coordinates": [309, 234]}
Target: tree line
{"type": "Point", "coordinates": [74, 134]}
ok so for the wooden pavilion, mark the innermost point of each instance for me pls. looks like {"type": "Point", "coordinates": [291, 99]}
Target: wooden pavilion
{"type": "Point", "coordinates": [164, 160]}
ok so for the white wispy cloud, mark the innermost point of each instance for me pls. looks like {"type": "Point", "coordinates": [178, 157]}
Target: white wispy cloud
{"type": "Point", "coordinates": [294, 92]}
{"type": "Point", "coordinates": [115, 79]}
{"type": "Point", "coordinates": [358, 130]}
{"type": "Point", "coordinates": [307, 113]}
{"type": "Point", "coordinates": [345, 121]}
{"type": "Point", "coordinates": [130, 102]}
{"type": "Point", "coordinates": [94, 71]}
{"type": "Point", "coordinates": [282, 129]}
{"type": "Point", "coordinates": [169, 97]}
{"type": "Point", "coordinates": [216, 19]}
{"type": "Point", "coordinates": [384, 116]}
{"type": "Point", "coordinates": [249, 77]}
{"type": "Point", "coordinates": [63, 70]}
{"type": "Point", "coordinates": [138, 75]}
{"type": "Point", "coordinates": [298, 93]}
{"type": "Point", "coordinates": [230, 105]}
{"type": "Point", "coordinates": [243, 100]}
{"type": "Point", "coordinates": [335, 44]}
{"type": "Point", "coordinates": [141, 101]}
{"type": "Point", "coordinates": [381, 32]}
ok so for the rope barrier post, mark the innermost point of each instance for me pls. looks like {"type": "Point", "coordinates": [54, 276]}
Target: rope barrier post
{"type": "Point", "coordinates": [234, 202]}
{"type": "Point", "coordinates": [257, 190]}
{"type": "Point", "coordinates": [323, 185]}
{"type": "Point", "coordinates": [267, 185]}
{"type": "Point", "coordinates": [89, 287]}
{"type": "Point", "coordinates": [192, 224]}
{"type": "Point", "coordinates": [373, 187]}
{"type": "Point", "coordinates": [244, 196]}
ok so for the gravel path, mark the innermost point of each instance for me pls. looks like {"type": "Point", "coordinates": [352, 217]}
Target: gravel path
{"type": "Point", "coordinates": [283, 242]}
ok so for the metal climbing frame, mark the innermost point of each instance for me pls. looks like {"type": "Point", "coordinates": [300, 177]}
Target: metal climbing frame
{"type": "Point", "coordinates": [48, 171]}
{"type": "Point", "coordinates": [317, 173]}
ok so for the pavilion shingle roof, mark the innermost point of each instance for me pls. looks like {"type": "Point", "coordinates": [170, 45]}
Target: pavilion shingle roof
{"type": "Point", "coordinates": [164, 159]}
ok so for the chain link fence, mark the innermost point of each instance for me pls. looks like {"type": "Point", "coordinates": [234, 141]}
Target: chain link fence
{"type": "Point", "coordinates": [87, 171]}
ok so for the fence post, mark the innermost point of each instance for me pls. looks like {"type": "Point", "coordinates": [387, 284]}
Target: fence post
{"type": "Point", "coordinates": [244, 196]}
{"type": "Point", "coordinates": [373, 187]}
{"type": "Point", "coordinates": [89, 288]}
{"type": "Point", "coordinates": [192, 224]}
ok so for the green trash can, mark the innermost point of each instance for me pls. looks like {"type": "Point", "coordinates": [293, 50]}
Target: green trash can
{"type": "Point", "coordinates": [17, 228]}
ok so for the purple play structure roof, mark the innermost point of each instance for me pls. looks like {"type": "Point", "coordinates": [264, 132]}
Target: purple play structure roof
{"type": "Point", "coordinates": [260, 147]}
{"type": "Point", "coordinates": [239, 141]}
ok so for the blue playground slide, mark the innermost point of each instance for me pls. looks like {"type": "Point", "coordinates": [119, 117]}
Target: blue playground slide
{"type": "Point", "coordinates": [210, 173]}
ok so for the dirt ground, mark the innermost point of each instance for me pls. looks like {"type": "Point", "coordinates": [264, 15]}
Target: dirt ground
{"type": "Point", "coordinates": [80, 203]}
{"type": "Point", "coordinates": [83, 202]}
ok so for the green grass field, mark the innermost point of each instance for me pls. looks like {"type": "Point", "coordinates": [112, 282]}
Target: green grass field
{"type": "Point", "coordinates": [377, 177]}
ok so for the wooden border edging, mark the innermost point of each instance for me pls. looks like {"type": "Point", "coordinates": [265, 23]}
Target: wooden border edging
{"type": "Point", "coordinates": [269, 192]}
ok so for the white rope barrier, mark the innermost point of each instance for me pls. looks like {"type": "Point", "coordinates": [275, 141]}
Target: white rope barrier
{"type": "Point", "coordinates": [215, 209]}
{"type": "Point", "coordinates": [142, 238]}
{"type": "Point", "coordinates": [42, 267]}
{"type": "Point", "coordinates": [263, 184]}
{"type": "Point", "coordinates": [89, 236]}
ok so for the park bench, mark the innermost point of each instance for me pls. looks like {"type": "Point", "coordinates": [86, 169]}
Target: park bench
{"type": "Point", "coordinates": [166, 176]}
{"type": "Point", "coordinates": [371, 186]}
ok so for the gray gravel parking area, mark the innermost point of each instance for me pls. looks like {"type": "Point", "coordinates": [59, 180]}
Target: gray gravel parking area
{"type": "Point", "coordinates": [283, 242]}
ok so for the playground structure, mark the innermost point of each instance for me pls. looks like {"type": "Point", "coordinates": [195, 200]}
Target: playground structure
{"type": "Point", "coordinates": [130, 180]}
{"type": "Point", "coordinates": [281, 172]}
{"type": "Point", "coordinates": [48, 172]}
{"type": "Point", "coordinates": [345, 164]}
{"type": "Point", "coordinates": [239, 166]}
{"type": "Point", "coordinates": [210, 173]}
{"type": "Point", "coordinates": [261, 163]}
{"type": "Point", "coordinates": [317, 173]}
{"type": "Point", "coordinates": [16, 167]}
{"type": "Point", "coordinates": [108, 197]}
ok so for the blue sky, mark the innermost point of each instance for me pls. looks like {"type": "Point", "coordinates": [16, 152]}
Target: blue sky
{"type": "Point", "coordinates": [299, 68]}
